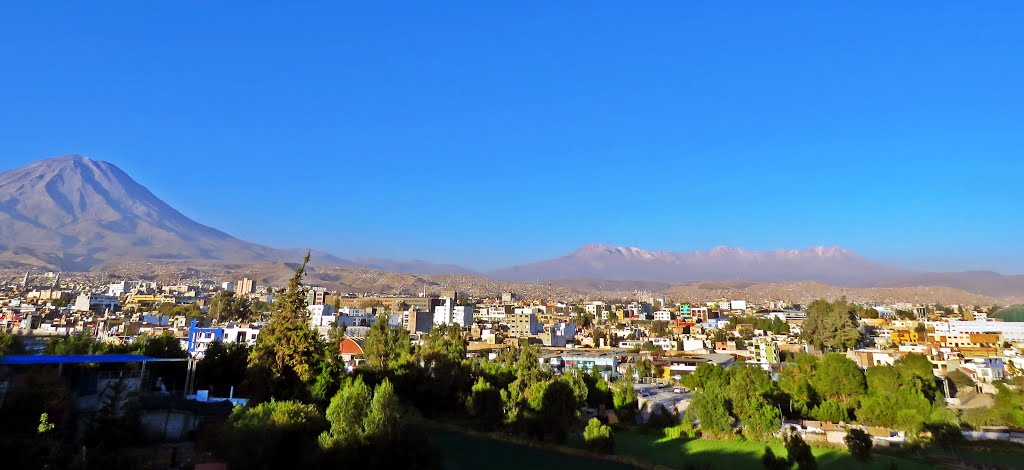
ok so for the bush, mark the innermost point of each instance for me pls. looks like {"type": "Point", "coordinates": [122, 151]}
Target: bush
{"type": "Point", "coordinates": [684, 430]}
{"type": "Point", "coordinates": [598, 437]}
{"type": "Point", "coordinates": [859, 443]}
{"type": "Point", "coordinates": [276, 434]}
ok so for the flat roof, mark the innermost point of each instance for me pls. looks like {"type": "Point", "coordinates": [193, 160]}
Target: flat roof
{"type": "Point", "coordinates": [84, 359]}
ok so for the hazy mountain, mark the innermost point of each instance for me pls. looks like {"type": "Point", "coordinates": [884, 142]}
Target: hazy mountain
{"type": "Point", "coordinates": [74, 213]}
{"type": "Point", "coordinates": [414, 266]}
{"type": "Point", "coordinates": [832, 265]}
{"type": "Point", "coordinates": [993, 284]}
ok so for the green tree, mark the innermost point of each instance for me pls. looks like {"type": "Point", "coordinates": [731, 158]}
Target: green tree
{"type": "Point", "coordinates": [10, 344]}
{"type": "Point", "coordinates": [598, 437]}
{"type": "Point", "coordinates": [554, 409]}
{"type": "Point", "coordinates": [795, 380]}
{"type": "Point", "coordinates": [839, 379]}
{"type": "Point", "coordinates": [384, 418]}
{"type": "Point", "coordinates": [625, 402]}
{"type": "Point", "coordinates": [485, 404]}
{"type": "Point", "coordinates": [75, 344]}
{"type": "Point", "coordinates": [386, 347]}
{"type": "Point", "coordinates": [164, 345]}
{"type": "Point", "coordinates": [709, 407]}
{"type": "Point", "coordinates": [225, 306]}
{"type": "Point", "coordinates": [831, 325]}
{"type": "Point", "coordinates": [288, 351]}
{"type": "Point", "coordinates": [859, 443]}
{"type": "Point", "coordinates": [347, 414]}
{"type": "Point", "coordinates": [751, 392]}
{"type": "Point", "coordinates": [222, 367]}
{"type": "Point", "coordinates": [271, 435]}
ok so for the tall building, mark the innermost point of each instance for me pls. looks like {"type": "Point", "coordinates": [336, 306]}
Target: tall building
{"type": "Point", "coordinates": [245, 286]}
{"type": "Point", "coordinates": [316, 295]}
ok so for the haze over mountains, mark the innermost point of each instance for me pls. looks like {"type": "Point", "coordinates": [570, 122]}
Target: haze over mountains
{"type": "Point", "coordinates": [74, 213]}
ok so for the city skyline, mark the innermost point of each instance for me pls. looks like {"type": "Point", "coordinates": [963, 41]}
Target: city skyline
{"type": "Point", "coordinates": [891, 131]}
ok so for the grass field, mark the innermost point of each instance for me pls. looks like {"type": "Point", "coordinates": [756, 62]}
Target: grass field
{"type": "Point", "coordinates": [465, 452]}
{"type": "Point", "coordinates": [730, 454]}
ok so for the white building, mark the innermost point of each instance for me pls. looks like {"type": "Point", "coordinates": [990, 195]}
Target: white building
{"type": "Point", "coordinates": [740, 305]}
{"type": "Point", "coordinates": [95, 302]}
{"type": "Point", "coordinates": [120, 288]}
{"type": "Point", "coordinates": [663, 315]}
{"type": "Point", "coordinates": [1011, 331]}
{"type": "Point", "coordinates": [449, 314]}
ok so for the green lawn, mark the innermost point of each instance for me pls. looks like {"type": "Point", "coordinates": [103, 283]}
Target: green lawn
{"type": "Point", "coordinates": [733, 454]}
{"type": "Point", "coordinates": [465, 452]}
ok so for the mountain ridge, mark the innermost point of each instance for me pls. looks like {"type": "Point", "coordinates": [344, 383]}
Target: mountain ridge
{"type": "Point", "coordinates": [75, 213]}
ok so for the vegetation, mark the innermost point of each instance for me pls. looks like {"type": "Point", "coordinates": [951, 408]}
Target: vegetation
{"type": "Point", "coordinates": [598, 437]}
{"type": "Point", "coordinates": [831, 325]}
{"type": "Point", "coordinates": [288, 352]}
{"type": "Point", "coordinates": [859, 443]}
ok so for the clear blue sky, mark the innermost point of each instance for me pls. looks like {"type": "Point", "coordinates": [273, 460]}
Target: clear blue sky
{"type": "Point", "coordinates": [493, 133]}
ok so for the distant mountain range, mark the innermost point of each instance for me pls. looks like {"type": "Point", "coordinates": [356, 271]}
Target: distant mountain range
{"type": "Point", "coordinates": [74, 213]}
{"type": "Point", "coordinates": [831, 265]}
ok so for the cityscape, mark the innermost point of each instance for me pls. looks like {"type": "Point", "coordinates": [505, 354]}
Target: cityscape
{"type": "Point", "coordinates": [507, 237]}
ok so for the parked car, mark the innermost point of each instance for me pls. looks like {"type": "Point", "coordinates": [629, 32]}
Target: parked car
{"type": "Point", "coordinates": [677, 390]}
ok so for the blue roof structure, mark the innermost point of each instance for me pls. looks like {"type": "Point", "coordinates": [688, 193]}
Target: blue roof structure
{"type": "Point", "coordinates": [84, 359]}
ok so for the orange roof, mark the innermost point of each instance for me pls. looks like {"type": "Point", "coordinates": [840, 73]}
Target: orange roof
{"type": "Point", "coordinates": [350, 346]}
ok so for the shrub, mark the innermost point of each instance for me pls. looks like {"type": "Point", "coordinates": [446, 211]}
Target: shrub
{"type": "Point", "coordinates": [859, 443]}
{"type": "Point", "coordinates": [598, 437]}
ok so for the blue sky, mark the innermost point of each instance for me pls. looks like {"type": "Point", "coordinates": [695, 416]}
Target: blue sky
{"type": "Point", "coordinates": [493, 133]}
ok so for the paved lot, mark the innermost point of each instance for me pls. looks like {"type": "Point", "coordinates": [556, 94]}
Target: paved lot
{"type": "Point", "coordinates": [664, 397]}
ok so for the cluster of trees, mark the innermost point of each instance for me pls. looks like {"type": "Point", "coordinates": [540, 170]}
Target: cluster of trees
{"type": "Point", "coordinates": [161, 346]}
{"type": "Point", "coordinates": [225, 305]}
{"type": "Point", "coordinates": [832, 326]}
{"type": "Point", "coordinates": [743, 394]}
{"type": "Point", "coordinates": [833, 388]}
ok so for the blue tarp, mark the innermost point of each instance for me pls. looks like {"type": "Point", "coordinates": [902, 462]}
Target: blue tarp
{"type": "Point", "coordinates": [83, 359]}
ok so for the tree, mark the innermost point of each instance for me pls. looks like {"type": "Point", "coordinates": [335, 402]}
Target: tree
{"type": "Point", "coordinates": [387, 347]}
{"type": "Point", "coordinates": [831, 325]}
{"type": "Point", "coordinates": [10, 344]}
{"type": "Point", "coordinates": [484, 404]}
{"type": "Point", "coordinates": [222, 367]}
{"type": "Point", "coordinates": [346, 413]}
{"type": "Point", "coordinates": [796, 379]}
{"type": "Point", "coordinates": [574, 377]}
{"type": "Point", "coordinates": [598, 437]}
{"type": "Point", "coordinates": [288, 350]}
{"type": "Point", "coordinates": [225, 306]}
{"type": "Point", "coordinates": [598, 392]}
{"type": "Point", "coordinates": [275, 434]}
{"type": "Point", "coordinates": [751, 392]}
{"type": "Point", "coordinates": [859, 443]}
{"type": "Point", "coordinates": [709, 407]}
{"type": "Point", "coordinates": [383, 420]}
{"type": "Point", "coordinates": [161, 346]}
{"type": "Point", "coordinates": [624, 400]}
{"type": "Point", "coordinates": [902, 396]}
{"type": "Point", "coordinates": [554, 409]}
{"type": "Point", "coordinates": [76, 344]}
